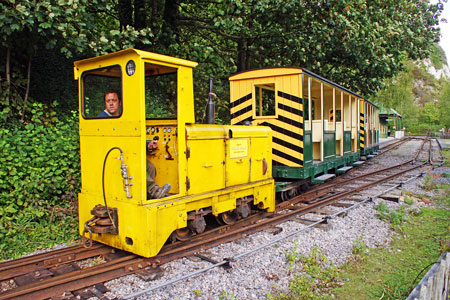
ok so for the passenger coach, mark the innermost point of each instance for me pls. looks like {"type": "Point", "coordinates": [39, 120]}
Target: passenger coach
{"type": "Point", "coordinates": [319, 127]}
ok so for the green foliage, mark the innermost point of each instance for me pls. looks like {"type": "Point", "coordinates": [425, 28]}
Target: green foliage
{"type": "Point", "coordinates": [197, 293]}
{"type": "Point", "coordinates": [438, 57]}
{"type": "Point", "coordinates": [314, 276]}
{"type": "Point", "coordinates": [224, 295]}
{"type": "Point", "coordinates": [428, 182]}
{"type": "Point", "coordinates": [409, 201]}
{"type": "Point", "coordinates": [430, 114]}
{"type": "Point", "coordinates": [395, 217]}
{"type": "Point", "coordinates": [359, 248]}
{"type": "Point", "coordinates": [356, 44]}
{"type": "Point", "coordinates": [421, 99]}
{"type": "Point", "coordinates": [71, 27]}
{"type": "Point", "coordinates": [444, 105]}
{"type": "Point", "coordinates": [39, 175]}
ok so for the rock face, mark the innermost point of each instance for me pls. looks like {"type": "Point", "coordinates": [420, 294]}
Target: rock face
{"type": "Point", "coordinates": [438, 74]}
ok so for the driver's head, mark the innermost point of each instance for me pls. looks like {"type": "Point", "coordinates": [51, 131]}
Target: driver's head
{"type": "Point", "coordinates": [112, 103]}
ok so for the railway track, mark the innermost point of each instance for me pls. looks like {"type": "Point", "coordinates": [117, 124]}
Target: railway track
{"type": "Point", "coordinates": [60, 274]}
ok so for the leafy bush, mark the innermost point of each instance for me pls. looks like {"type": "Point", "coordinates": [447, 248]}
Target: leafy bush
{"type": "Point", "coordinates": [39, 176]}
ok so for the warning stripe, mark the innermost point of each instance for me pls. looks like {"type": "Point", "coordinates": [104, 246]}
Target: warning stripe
{"type": "Point", "coordinates": [241, 100]}
{"type": "Point", "coordinates": [287, 157]}
{"type": "Point", "coordinates": [283, 131]}
{"type": "Point", "coordinates": [362, 131]}
{"type": "Point", "coordinates": [241, 112]}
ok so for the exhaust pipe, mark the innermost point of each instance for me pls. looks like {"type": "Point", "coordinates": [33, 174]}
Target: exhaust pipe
{"type": "Point", "coordinates": [210, 106]}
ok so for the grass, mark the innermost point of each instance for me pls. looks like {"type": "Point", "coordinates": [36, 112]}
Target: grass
{"type": "Point", "coordinates": [382, 273]}
{"type": "Point", "coordinates": [446, 154]}
{"type": "Point", "coordinates": [391, 273]}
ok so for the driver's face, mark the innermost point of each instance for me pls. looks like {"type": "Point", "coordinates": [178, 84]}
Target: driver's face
{"type": "Point", "coordinates": [112, 104]}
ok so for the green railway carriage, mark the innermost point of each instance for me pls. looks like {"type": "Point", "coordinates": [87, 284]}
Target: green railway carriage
{"type": "Point", "coordinates": [316, 132]}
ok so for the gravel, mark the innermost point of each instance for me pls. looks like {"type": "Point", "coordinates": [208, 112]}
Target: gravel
{"type": "Point", "coordinates": [267, 270]}
{"type": "Point", "coordinates": [254, 276]}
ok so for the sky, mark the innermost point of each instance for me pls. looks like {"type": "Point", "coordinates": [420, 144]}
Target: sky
{"type": "Point", "coordinates": [445, 31]}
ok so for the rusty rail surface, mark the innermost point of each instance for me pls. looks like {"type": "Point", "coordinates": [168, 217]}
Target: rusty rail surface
{"type": "Point", "coordinates": [122, 263]}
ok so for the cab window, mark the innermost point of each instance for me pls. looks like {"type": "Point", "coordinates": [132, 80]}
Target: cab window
{"type": "Point", "coordinates": [160, 92]}
{"type": "Point", "coordinates": [95, 84]}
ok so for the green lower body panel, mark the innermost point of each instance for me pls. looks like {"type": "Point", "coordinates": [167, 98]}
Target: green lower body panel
{"type": "Point", "coordinates": [284, 175]}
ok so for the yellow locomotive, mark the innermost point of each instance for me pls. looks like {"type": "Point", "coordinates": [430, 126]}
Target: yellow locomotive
{"type": "Point", "coordinates": [225, 171]}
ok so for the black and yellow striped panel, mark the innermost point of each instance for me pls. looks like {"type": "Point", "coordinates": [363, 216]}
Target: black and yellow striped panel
{"type": "Point", "coordinates": [241, 109]}
{"type": "Point", "coordinates": [362, 131]}
{"type": "Point", "coordinates": [287, 138]}
{"type": "Point", "coordinates": [288, 131]}
{"type": "Point", "coordinates": [287, 147]}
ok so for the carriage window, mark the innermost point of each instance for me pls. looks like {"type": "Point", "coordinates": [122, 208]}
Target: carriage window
{"type": "Point", "coordinates": [97, 84]}
{"type": "Point", "coordinates": [160, 92]}
{"type": "Point", "coordinates": [338, 115]}
{"type": "Point", "coordinates": [265, 99]}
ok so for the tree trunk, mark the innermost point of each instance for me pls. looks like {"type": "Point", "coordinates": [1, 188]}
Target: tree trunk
{"type": "Point", "coordinates": [8, 75]}
{"type": "Point", "coordinates": [139, 14]}
{"type": "Point", "coordinates": [125, 13]}
{"type": "Point", "coordinates": [170, 23]}
{"type": "Point", "coordinates": [25, 98]}
{"type": "Point", "coordinates": [242, 55]}
{"type": "Point", "coordinates": [154, 5]}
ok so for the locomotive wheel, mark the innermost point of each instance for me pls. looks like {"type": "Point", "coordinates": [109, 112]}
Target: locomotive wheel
{"type": "Point", "coordinates": [228, 217]}
{"type": "Point", "coordinates": [244, 210]}
{"type": "Point", "coordinates": [197, 225]}
{"type": "Point", "coordinates": [183, 234]}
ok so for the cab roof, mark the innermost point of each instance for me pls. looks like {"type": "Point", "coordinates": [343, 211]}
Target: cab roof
{"type": "Point", "coordinates": [142, 55]}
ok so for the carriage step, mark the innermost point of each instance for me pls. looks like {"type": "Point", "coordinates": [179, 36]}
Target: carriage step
{"type": "Point", "coordinates": [343, 169]}
{"type": "Point", "coordinates": [323, 178]}
{"type": "Point", "coordinates": [357, 163]}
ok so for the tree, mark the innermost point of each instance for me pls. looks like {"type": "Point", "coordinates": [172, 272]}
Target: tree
{"type": "Point", "coordinates": [67, 25]}
{"type": "Point", "coordinates": [354, 43]}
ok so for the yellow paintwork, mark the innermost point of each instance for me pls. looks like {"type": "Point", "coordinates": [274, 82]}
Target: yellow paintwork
{"type": "Point", "coordinates": [286, 82]}
{"type": "Point", "coordinates": [208, 166]}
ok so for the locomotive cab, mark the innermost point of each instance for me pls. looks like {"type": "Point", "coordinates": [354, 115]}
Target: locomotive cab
{"type": "Point", "coordinates": [220, 170]}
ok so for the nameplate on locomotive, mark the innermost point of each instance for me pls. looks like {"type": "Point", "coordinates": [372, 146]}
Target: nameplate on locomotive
{"type": "Point", "coordinates": [238, 148]}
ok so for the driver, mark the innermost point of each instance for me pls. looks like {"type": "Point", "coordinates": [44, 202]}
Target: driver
{"type": "Point", "coordinates": [112, 105]}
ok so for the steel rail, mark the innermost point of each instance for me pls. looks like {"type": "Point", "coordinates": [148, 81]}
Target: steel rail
{"type": "Point", "coordinates": [82, 278]}
{"type": "Point", "coordinates": [227, 261]}
{"type": "Point", "coordinates": [50, 259]}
